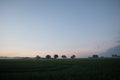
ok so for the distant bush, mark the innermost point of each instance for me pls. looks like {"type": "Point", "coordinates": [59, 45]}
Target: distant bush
{"type": "Point", "coordinates": [56, 56]}
{"type": "Point", "coordinates": [73, 56]}
{"type": "Point", "coordinates": [48, 57]}
{"type": "Point", "coordinates": [64, 56]}
{"type": "Point", "coordinates": [38, 57]}
{"type": "Point", "coordinates": [95, 56]}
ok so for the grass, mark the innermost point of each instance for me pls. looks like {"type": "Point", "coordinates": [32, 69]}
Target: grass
{"type": "Point", "coordinates": [68, 69]}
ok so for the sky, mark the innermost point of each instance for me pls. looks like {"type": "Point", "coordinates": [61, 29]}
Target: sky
{"type": "Point", "coordinates": [41, 27]}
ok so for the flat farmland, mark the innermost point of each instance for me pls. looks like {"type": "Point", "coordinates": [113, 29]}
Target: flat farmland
{"type": "Point", "coordinates": [60, 69]}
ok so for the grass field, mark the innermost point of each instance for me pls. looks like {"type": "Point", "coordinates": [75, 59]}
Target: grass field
{"type": "Point", "coordinates": [68, 69]}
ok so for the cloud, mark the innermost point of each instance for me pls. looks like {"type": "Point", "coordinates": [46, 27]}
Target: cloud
{"type": "Point", "coordinates": [118, 41]}
{"type": "Point", "coordinates": [113, 50]}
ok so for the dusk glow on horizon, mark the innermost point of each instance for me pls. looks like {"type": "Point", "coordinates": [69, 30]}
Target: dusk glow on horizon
{"type": "Point", "coordinates": [63, 27]}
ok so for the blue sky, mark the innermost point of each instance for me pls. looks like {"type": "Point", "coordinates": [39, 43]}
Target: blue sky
{"type": "Point", "coordinates": [40, 27]}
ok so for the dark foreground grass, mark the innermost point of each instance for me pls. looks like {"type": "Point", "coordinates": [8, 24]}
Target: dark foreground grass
{"type": "Point", "coordinates": [69, 69]}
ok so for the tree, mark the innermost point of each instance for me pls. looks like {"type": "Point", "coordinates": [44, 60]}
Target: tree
{"type": "Point", "coordinates": [63, 56]}
{"type": "Point", "coordinates": [37, 57]}
{"type": "Point", "coordinates": [114, 55]}
{"type": "Point", "coordinates": [73, 56]}
{"type": "Point", "coordinates": [56, 56]}
{"type": "Point", "coordinates": [48, 56]}
{"type": "Point", "coordinates": [95, 56]}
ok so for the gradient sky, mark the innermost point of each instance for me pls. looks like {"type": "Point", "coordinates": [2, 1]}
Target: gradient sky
{"type": "Point", "coordinates": [41, 27]}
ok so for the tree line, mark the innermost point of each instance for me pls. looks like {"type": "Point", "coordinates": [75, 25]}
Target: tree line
{"type": "Point", "coordinates": [56, 56]}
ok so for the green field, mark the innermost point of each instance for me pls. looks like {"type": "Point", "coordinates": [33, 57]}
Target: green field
{"type": "Point", "coordinates": [67, 69]}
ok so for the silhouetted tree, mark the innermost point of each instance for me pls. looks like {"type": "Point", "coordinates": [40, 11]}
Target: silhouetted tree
{"type": "Point", "coordinates": [73, 56]}
{"type": "Point", "coordinates": [37, 57]}
{"type": "Point", "coordinates": [95, 56]}
{"type": "Point", "coordinates": [63, 56]}
{"type": "Point", "coordinates": [48, 56]}
{"type": "Point", "coordinates": [114, 55]}
{"type": "Point", "coordinates": [56, 56]}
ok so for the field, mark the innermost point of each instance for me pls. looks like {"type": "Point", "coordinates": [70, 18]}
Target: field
{"type": "Point", "coordinates": [61, 69]}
